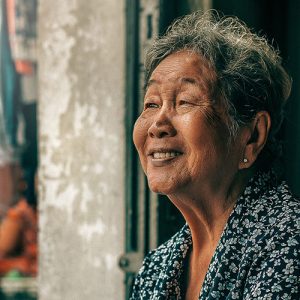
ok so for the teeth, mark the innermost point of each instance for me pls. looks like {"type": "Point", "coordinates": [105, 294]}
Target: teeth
{"type": "Point", "coordinates": [165, 154]}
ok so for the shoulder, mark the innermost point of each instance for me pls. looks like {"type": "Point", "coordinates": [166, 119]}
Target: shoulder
{"type": "Point", "coordinates": [278, 211]}
{"type": "Point", "coordinates": [274, 272]}
{"type": "Point", "coordinates": [275, 237]}
{"type": "Point", "coordinates": [270, 259]}
{"type": "Point", "coordinates": [274, 221]}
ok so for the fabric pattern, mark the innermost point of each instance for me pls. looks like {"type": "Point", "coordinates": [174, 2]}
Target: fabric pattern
{"type": "Point", "coordinates": [258, 255]}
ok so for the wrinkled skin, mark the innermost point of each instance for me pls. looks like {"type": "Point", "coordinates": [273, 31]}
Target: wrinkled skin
{"type": "Point", "coordinates": [179, 117]}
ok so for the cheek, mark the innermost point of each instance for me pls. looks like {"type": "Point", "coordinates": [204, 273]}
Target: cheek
{"type": "Point", "coordinates": [140, 132]}
{"type": "Point", "coordinates": [206, 143]}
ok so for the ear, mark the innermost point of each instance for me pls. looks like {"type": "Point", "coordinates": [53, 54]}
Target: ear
{"type": "Point", "coordinates": [259, 128]}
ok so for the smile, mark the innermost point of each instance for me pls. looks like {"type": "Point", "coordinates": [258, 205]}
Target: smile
{"type": "Point", "coordinates": [164, 155]}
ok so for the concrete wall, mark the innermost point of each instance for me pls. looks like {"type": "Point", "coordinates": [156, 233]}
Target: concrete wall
{"type": "Point", "coordinates": [82, 142]}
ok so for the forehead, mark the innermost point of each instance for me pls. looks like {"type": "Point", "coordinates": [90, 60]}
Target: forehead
{"type": "Point", "coordinates": [183, 67]}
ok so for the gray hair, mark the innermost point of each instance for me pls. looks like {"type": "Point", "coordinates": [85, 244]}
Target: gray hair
{"type": "Point", "coordinates": [250, 76]}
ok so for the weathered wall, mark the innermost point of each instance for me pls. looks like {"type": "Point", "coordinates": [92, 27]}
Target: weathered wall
{"type": "Point", "coordinates": [81, 136]}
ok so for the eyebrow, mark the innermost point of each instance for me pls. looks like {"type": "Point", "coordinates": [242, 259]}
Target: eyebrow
{"type": "Point", "coordinates": [189, 80]}
{"type": "Point", "coordinates": [184, 80]}
{"type": "Point", "coordinates": [150, 83]}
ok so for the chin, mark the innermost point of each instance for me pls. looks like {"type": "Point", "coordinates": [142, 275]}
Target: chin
{"type": "Point", "coordinates": [161, 187]}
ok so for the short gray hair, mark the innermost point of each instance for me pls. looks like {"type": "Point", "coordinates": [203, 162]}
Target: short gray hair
{"type": "Point", "coordinates": [250, 76]}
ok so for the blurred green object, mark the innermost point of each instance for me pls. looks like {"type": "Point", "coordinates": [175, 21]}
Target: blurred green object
{"type": "Point", "coordinates": [17, 296]}
{"type": "Point", "coordinates": [15, 286]}
{"type": "Point", "coordinates": [14, 274]}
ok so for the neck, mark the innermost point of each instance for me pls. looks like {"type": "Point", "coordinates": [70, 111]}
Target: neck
{"type": "Point", "coordinates": [207, 214]}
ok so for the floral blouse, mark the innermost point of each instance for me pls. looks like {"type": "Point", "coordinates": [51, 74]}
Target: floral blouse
{"type": "Point", "coordinates": [258, 255]}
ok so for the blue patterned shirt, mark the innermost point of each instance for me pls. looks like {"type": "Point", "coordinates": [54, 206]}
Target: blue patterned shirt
{"type": "Point", "coordinates": [258, 255]}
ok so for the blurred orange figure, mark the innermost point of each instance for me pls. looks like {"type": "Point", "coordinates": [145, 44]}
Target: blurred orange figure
{"type": "Point", "coordinates": [18, 240]}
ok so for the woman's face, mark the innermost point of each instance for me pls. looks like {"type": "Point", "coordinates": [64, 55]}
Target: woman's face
{"type": "Point", "coordinates": [181, 139]}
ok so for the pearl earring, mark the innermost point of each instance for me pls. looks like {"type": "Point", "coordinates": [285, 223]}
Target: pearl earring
{"type": "Point", "coordinates": [245, 160]}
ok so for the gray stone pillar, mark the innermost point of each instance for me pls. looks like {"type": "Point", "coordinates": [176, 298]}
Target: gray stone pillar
{"type": "Point", "coordinates": [81, 142]}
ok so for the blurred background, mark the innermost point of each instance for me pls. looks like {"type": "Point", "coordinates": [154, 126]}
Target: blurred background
{"type": "Point", "coordinates": [76, 216]}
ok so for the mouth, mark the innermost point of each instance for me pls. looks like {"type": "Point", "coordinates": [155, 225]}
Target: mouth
{"type": "Point", "coordinates": [161, 156]}
{"type": "Point", "coordinates": [164, 155]}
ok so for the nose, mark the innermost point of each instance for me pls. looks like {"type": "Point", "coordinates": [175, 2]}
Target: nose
{"type": "Point", "coordinates": [162, 126]}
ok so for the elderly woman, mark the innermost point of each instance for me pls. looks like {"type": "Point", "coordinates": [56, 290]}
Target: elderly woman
{"type": "Point", "coordinates": [206, 139]}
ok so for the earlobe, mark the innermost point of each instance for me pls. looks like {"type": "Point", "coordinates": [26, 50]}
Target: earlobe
{"type": "Point", "coordinates": [260, 127]}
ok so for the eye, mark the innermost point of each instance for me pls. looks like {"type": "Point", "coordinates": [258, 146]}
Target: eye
{"type": "Point", "coordinates": [185, 102]}
{"type": "Point", "coordinates": [150, 105]}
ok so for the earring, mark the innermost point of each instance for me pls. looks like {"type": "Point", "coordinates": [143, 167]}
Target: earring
{"type": "Point", "coordinates": [245, 160]}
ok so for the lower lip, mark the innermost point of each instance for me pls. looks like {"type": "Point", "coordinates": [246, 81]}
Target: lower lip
{"type": "Point", "coordinates": [160, 162]}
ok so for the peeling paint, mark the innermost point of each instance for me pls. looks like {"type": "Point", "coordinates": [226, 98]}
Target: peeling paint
{"type": "Point", "coordinates": [110, 261]}
{"type": "Point", "coordinates": [62, 200]}
{"type": "Point", "coordinates": [87, 231]}
{"type": "Point", "coordinates": [98, 168]}
{"type": "Point", "coordinates": [80, 113]}
{"type": "Point", "coordinates": [93, 112]}
{"type": "Point", "coordinates": [87, 196]}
